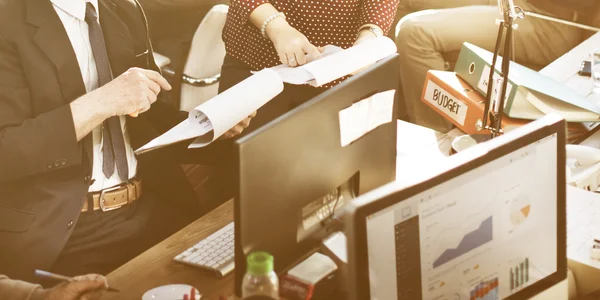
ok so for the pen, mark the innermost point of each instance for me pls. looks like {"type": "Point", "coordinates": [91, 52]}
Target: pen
{"type": "Point", "coordinates": [57, 277]}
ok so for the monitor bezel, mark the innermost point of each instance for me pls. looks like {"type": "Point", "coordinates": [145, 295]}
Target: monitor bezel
{"type": "Point", "coordinates": [379, 77]}
{"type": "Point", "coordinates": [388, 195]}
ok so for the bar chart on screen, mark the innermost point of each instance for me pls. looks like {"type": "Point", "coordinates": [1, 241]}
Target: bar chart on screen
{"type": "Point", "coordinates": [485, 290]}
{"type": "Point", "coordinates": [519, 275]}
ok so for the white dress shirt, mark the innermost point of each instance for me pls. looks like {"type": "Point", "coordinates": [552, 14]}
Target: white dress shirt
{"type": "Point", "coordinates": [72, 15]}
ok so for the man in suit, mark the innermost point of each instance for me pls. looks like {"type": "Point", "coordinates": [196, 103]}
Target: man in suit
{"type": "Point", "coordinates": [78, 86]}
{"type": "Point", "coordinates": [431, 40]}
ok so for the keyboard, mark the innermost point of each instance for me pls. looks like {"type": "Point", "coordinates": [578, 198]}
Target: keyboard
{"type": "Point", "coordinates": [214, 253]}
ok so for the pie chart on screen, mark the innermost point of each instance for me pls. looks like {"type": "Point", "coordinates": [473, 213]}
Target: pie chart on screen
{"type": "Point", "coordinates": [520, 209]}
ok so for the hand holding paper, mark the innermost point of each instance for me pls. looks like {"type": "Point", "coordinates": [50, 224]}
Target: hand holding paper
{"type": "Point", "coordinates": [213, 118]}
{"type": "Point", "coordinates": [228, 113]}
{"type": "Point", "coordinates": [336, 62]}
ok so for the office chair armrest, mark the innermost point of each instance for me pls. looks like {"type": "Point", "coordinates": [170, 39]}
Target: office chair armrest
{"type": "Point", "coordinates": [164, 62]}
{"type": "Point", "coordinates": [200, 82]}
{"type": "Point", "coordinates": [197, 82]}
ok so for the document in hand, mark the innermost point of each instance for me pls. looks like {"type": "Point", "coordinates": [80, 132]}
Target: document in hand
{"type": "Point", "coordinates": [213, 118]}
{"type": "Point", "coordinates": [336, 62]}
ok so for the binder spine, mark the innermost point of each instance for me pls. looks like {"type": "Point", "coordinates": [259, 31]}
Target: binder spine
{"type": "Point", "coordinates": [475, 70]}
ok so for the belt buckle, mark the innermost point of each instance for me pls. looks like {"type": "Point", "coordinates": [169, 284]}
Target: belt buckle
{"type": "Point", "coordinates": [103, 193]}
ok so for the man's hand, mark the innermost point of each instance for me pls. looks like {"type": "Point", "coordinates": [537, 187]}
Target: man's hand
{"type": "Point", "coordinates": [133, 92]}
{"type": "Point", "coordinates": [237, 129]}
{"type": "Point", "coordinates": [86, 287]}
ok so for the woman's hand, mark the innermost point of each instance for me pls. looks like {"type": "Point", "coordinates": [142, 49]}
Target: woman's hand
{"type": "Point", "coordinates": [363, 36]}
{"type": "Point", "coordinates": [291, 45]}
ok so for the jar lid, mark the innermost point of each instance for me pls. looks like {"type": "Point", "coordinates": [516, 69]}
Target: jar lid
{"type": "Point", "coordinates": [260, 263]}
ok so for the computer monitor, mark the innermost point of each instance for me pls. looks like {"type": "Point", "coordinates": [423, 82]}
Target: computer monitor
{"type": "Point", "coordinates": [294, 173]}
{"type": "Point", "coordinates": [491, 226]}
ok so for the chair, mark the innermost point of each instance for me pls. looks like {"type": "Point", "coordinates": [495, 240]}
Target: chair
{"type": "Point", "coordinates": [202, 69]}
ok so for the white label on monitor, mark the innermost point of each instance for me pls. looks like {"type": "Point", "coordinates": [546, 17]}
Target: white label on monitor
{"type": "Point", "coordinates": [446, 103]}
{"type": "Point", "coordinates": [365, 115]}
{"type": "Point", "coordinates": [483, 84]}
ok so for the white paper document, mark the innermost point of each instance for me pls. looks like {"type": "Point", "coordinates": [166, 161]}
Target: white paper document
{"type": "Point", "coordinates": [183, 131]}
{"type": "Point", "coordinates": [422, 152]}
{"type": "Point", "coordinates": [365, 115]}
{"type": "Point", "coordinates": [583, 224]}
{"type": "Point", "coordinates": [235, 104]}
{"type": "Point", "coordinates": [300, 75]}
{"type": "Point", "coordinates": [335, 62]}
{"type": "Point", "coordinates": [213, 118]}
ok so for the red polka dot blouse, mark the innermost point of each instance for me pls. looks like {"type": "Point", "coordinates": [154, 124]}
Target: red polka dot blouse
{"type": "Point", "coordinates": [323, 22]}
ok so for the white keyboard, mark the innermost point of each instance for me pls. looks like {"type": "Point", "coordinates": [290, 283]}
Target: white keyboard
{"type": "Point", "coordinates": [214, 253]}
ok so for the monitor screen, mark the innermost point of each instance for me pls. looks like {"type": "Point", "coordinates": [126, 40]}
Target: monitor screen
{"type": "Point", "coordinates": [488, 233]}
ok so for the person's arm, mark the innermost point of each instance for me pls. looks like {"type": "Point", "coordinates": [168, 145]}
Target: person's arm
{"type": "Point", "coordinates": [89, 286]}
{"type": "Point", "coordinates": [30, 145]}
{"type": "Point", "coordinates": [34, 144]}
{"type": "Point", "coordinates": [291, 45]}
{"type": "Point", "coordinates": [376, 13]}
{"type": "Point", "coordinates": [19, 290]}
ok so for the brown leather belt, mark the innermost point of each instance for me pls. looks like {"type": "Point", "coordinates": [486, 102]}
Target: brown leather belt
{"type": "Point", "coordinates": [115, 197]}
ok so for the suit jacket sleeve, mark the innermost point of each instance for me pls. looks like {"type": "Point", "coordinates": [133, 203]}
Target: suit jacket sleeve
{"type": "Point", "coordinates": [30, 143]}
{"type": "Point", "coordinates": [19, 290]}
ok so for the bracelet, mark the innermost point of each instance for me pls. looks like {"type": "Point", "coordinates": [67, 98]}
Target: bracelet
{"type": "Point", "coordinates": [263, 28]}
{"type": "Point", "coordinates": [374, 30]}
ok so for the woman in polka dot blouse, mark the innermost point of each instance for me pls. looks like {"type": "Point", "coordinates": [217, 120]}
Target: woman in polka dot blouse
{"type": "Point", "coordinates": [264, 33]}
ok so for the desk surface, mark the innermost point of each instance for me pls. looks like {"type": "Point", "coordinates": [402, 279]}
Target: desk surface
{"type": "Point", "coordinates": [156, 267]}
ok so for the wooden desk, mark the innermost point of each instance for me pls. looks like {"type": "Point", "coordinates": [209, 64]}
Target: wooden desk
{"type": "Point", "coordinates": [156, 267]}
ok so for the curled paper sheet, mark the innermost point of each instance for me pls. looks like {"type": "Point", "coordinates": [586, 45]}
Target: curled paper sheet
{"type": "Point", "coordinates": [183, 131]}
{"type": "Point", "coordinates": [216, 116]}
{"type": "Point", "coordinates": [235, 104]}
